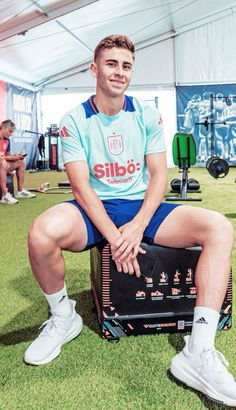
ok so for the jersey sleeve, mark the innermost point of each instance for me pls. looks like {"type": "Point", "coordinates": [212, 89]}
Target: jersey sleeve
{"type": "Point", "coordinates": [70, 137]}
{"type": "Point", "coordinates": [154, 131]}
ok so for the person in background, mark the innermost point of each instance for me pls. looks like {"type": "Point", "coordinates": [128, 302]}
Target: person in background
{"type": "Point", "coordinates": [10, 162]}
{"type": "Point", "coordinates": [115, 158]}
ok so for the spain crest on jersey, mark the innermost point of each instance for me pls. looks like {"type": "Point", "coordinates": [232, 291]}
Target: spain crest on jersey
{"type": "Point", "coordinates": [115, 144]}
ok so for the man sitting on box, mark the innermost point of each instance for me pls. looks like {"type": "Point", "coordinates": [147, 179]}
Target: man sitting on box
{"type": "Point", "coordinates": [10, 162]}
{"type": "Point", "coordinates": [115, 159]}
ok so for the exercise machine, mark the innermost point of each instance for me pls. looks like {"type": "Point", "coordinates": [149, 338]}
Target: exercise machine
{"type": "Point", "coordinates": [184, 155]}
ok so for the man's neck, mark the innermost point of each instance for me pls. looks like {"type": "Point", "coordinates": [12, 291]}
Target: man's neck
{"type": "Point", "coordinates": [109, 106]}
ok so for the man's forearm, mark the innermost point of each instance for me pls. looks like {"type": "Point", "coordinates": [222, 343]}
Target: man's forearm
{"type": "Point", "coordinates": [153, 197]}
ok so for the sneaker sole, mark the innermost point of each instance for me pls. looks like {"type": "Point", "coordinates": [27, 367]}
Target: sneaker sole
{"type": "Point", "coordinates": [186, 376]}
{"type": "Point", "coordinates": [75, 331]}
{"type": "Point", "coordinates": [9, 203]}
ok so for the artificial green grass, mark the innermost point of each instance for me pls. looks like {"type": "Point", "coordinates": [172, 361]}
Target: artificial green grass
{"type": "Point", "coordinates": [91, 373]}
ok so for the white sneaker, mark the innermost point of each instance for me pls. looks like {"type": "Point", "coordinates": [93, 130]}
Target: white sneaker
{"type": "Point", "coordinates": [207, 372]}
{"type": "Point", "coordinates": [25, 194]}
{"type": "Point", "coordinates": [58, 331]}
{"type": "Point", "coordinates": [8, 199]}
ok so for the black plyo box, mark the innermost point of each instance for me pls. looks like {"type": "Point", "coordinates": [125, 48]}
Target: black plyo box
{"type": "Point", "coordinates": [160, 301]}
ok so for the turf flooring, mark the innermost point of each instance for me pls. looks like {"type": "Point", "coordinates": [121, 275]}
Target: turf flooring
{"type": "Point", "coordinates": [91, 373]}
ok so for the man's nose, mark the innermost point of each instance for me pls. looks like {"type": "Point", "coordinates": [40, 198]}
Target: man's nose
{"type": "Point", "coordinates": [119, 70]}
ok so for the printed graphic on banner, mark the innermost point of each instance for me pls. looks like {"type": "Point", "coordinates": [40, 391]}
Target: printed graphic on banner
{"type": "Point", "coordinates": [22, 111]}
{"type": "Point", "coordinates": [209, 113]}
{"type": "Point", "coordinates": [3, 101]}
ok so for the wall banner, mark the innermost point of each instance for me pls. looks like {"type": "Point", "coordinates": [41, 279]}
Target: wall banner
{"type": "Point", "coordinates": [3, 101]}
{"type": "Point", "coordinates": [22, 110]}
{"type": "Point", "coordinates": [209, 113]}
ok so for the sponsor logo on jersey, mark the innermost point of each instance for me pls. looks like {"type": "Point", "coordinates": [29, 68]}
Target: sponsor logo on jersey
{"type": "Point", "coordinates": [64, 132]}
{"type": "Point", "coordinates": [113, 169]}
{"type": "Point", "coordinates": [115, 144]}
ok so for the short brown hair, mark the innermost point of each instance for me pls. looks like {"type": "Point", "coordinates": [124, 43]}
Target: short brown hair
{"type": "Point", "coordinates": [7, 124]}
{"type": "Point", "coordinates": [114, 40]}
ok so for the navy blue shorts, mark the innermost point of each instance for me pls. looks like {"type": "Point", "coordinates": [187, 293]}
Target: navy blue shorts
{"type": "Point", "coordinates": [122, 211]}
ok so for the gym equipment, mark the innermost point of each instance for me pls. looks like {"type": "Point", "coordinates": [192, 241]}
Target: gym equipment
{"type": "Point", "coordinates": [192, 185]}
{"type": "Point", "coordinates": [217, 167]}
{"type": "Point", "coordinates": [184, 155]}
{"type": "Point", "coordinates": [46, 189]}
{"type": "Point", "coordinates": [64, 184]}
{"type": "Point", "coordinates": [53, 138]}
{"type": "Point", "coordinates": [160, 301]}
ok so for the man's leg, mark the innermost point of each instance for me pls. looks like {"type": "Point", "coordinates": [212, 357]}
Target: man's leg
{"type": "Point", "coordinates": [199, 365]}
{"type": "Point", "coordinates": [5, 167]}
{"type": "Point", "coordinates": [3, 176]}
{"type": "Point", "coordinates": [19, 167]}
{"type": "Point", "coordinates": [59, 228]}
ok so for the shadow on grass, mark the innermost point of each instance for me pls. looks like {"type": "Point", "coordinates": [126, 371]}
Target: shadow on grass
{"type": "Point", "coordinates": [208, 404]}
{"type": "Point", "coordinates": [230, 216]}
{"type": "Point", "coordinates": [38, 312]}
{"type": "Point", "coordinates": [84, 306]}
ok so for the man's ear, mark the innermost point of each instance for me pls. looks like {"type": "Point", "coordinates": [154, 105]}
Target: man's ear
{"type": "Point", "coordinates": [93, 69]}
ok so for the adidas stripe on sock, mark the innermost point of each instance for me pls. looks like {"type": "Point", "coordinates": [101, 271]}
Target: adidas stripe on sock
{"type": "Point", "coordinates": [59, 302]}
{"type": "Point", "coordinates": [205, 321]}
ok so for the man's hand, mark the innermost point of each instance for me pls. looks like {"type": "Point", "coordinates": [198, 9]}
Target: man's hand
{"type": "Point", "coordinates": [126, 248]}
{"type": "Point", "coordinates": [130, 266]}
{"type": "Point", "coordinates": [128, 245]}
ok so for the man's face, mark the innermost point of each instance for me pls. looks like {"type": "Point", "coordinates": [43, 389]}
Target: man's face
{"type": "Point", "coordinates": [113, 70]}
{"type": "Point", "coordinates": [7, 132]}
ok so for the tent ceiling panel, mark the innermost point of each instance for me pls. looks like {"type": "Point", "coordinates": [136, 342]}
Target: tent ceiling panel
{"type": "Point", "coordinates": [47, 40]}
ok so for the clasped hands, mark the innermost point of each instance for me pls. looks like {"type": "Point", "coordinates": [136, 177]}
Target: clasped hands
{"type": "Point", "coordinates": [125, 250]}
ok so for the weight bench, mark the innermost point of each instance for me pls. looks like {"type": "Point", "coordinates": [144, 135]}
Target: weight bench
{"type": "Point", "coordinates": [160, 301]}
{"type": "Point", "coordinates": [184, 155]}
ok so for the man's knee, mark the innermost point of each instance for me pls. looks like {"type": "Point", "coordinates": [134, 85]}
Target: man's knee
{"type": "Point", "coordinates": [40, 235]}
{"type": "Point", "coordinates": [19, 165]}
{"type": "Point", "coordinates": [220, 228]}
{"type": "Point", "coordinates": [3, 164]}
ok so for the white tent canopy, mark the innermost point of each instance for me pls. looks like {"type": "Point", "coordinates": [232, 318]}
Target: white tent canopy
{"type": "Point", "coordinates": [48, 45]}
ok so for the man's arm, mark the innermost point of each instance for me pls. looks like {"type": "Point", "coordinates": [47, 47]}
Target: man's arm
{"type": "Point", "coordinates": [132, 232]}
{"type": "Point", "coordinates": [78, 175]}
{"type": "Point", "coordinates": [13, 157]}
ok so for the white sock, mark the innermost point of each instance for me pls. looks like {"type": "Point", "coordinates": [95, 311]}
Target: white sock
{"type": "Point", "coordinates": [205, 321]}
{"type": "Point", "coordinates": [59, 302]}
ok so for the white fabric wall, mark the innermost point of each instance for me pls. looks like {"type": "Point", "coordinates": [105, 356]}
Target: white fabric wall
{"type": "Point", "coordinates": [207, 54]}
{"type": "Point", "coordinates": [153, 65]}
{"type": "Point", "coordinates": [53, 107]}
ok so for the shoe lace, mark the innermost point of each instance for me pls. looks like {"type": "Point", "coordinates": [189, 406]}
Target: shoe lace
{"type": "Point", "coordinates": [53, 326]}
{"type": "Point", "coordinates": [216, 359]}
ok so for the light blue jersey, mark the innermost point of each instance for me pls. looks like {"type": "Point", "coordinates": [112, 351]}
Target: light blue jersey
{"type": "Point", "coordinates": [114, 147]}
